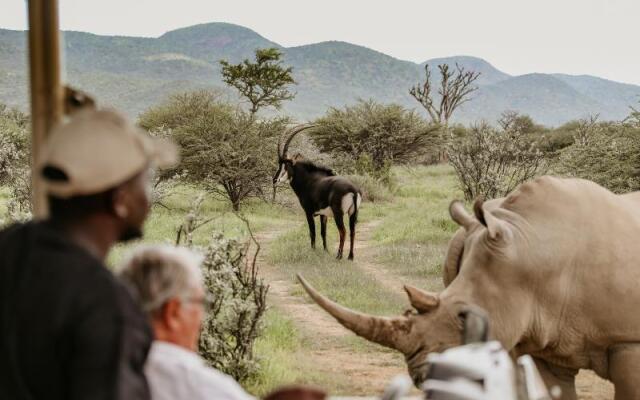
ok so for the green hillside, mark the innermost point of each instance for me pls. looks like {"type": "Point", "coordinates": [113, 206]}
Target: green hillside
{"type": "Point", "coordinates": [132, 73]}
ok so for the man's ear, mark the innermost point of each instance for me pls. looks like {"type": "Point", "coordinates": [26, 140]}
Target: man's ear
{"type": "Point", "coordinates": [170, 314]}
{"type": "Point", "coordinates": [120, 203]}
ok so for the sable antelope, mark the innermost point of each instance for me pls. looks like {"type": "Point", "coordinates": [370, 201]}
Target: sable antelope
{"type": "Point", "coordinates": [320, 192]}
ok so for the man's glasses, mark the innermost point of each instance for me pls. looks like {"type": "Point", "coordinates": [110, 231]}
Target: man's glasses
{"type": "Point", "coordinates": [207, 301]}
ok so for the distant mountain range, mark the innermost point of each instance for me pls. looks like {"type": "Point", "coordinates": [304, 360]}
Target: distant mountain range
{"type": "Point", "coordinates": [133, 73]}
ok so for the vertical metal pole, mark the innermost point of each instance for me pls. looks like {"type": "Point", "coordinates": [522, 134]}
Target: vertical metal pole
{"type": "Point", "coordinates": [46, 88]}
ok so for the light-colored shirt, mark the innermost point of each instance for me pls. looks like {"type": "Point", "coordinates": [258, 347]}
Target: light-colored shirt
{"type": "Point", "coordinates": [175, 373]}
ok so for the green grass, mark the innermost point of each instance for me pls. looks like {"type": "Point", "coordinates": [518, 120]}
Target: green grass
{"type": "Point", "coordinates": [419, 212]}
{"type": "Point", "coordinates": [416, 227]}
{"type": "Point", "coordinates": [342, 281]}
{"type": "Point", "coordinates": [282, 354]}
{"type": "Point", "coordinates": [420, 264]}
{"type": "Point", "coordinates": [278, 353]}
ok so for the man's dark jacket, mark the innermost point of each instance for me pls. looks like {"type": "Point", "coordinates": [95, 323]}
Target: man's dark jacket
{"type": "Point", "coordinates": [68, 328]}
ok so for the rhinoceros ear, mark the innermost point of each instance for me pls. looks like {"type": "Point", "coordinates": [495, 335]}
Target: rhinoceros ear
{"type": "Point", "coordinates": [498, 229]}
{"type": "Point", "coordinates": [421, 300]}
{"type": "Point", "coordinates": [460, 215]}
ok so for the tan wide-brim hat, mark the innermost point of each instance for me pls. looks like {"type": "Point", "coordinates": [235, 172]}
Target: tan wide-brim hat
{"type": "Point", "coordinates": [97, 150]}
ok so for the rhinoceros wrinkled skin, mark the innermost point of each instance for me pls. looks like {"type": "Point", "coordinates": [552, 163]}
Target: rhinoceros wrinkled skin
{"type": "Point", "coordinates": [556, 264]}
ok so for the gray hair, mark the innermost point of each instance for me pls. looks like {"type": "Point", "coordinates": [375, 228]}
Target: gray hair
{"type": "Point", "coordinates": [159, 273]}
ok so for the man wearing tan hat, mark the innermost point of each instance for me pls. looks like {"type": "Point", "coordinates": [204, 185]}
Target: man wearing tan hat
{"type": "Point", "coordinates": [68, 328]}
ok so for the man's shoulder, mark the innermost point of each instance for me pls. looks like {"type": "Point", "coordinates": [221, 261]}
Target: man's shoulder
{"type": "Point", "coordinates": [47, 253]}
{"type": "Point", "coordinates": [189, 375]}
{"type": "Point", "coordinates": [38, 250]}
{"type": "Point", "coordinates": [41, 240]}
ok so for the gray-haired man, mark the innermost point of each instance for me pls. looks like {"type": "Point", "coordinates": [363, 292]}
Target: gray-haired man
{"type": "Point", "coordinates": [168, 284]}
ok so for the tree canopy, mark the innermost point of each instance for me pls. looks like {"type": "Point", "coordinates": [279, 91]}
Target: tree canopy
{"type": "Point", "coordinates": [263, 82]}
{"type": "Point", "coordinates": [222, 146]}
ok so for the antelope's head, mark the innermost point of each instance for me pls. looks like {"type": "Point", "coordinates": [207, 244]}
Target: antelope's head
{"type": "Point", "coordinates": [285, 163]}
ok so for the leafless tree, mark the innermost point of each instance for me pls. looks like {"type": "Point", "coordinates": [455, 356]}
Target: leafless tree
{"type": "Point", "coordinates": [455, 89]}
{"type": "Point", "coordinates": [633, 119]}
{"type": "Point", "coordinates": [586, 129]}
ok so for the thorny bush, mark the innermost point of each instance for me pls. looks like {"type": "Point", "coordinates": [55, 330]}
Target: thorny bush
{"type": "Point", "coordinates": [491, 162]}
{"type": "Point", "coordinates": [233, 319]}
{"type": "Point", "coordinates": [609, 155]}
{"type": "Point", "coordinates": [15, 157]}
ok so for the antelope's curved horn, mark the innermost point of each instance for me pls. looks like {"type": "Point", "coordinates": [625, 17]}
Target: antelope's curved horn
{"type": "Point", "coordinates": [460, 215]}
{"type": "Point", "coordinates": [292, 133]}
{"type": "Point", "coordinates": [389, 332]}
{"type": "Point", "coordinates": [279, 148]}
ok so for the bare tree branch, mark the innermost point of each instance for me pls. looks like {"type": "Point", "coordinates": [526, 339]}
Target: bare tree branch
{"type": "Point", "coordinates": [455, 89]}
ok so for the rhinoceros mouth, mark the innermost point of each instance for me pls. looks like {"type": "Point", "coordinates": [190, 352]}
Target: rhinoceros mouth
{"type": "Point", "coordinates": [419, 376]}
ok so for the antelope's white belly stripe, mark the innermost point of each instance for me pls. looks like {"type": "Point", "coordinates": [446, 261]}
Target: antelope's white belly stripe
{"type": "Point", "coordinates": [346, 205]}
{"type": "Point", "coordinates": [326, 212]}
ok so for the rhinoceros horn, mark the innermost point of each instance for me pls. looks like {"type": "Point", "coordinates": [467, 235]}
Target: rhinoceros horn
{"type": "Point", "coordinates": [389, 332]}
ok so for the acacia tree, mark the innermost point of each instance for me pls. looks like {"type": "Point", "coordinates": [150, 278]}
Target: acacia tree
{"type": "Point", "coordinates": [455, 89]}
{"type": "Point", "coordinates": [264, 82]}
{"type": "Point", "coordinates": [222, 146]}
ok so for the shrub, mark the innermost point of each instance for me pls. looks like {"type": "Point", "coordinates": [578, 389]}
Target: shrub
{"type": "Point", "coordinates": [514, 121]}
{"type": "Point", "coordinates": [15, 160]}
{"type": "Point", "coordinates": [491, 162]}
{"type": "Point", "coordinates": [233, 320]}
{"type": "Point", "coordinates": [610, 157]}
{"type": "Point", "coordinates": [374, 136]}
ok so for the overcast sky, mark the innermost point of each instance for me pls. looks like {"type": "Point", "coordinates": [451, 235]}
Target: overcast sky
{"type": "Point", "coordinates": [596, 37]}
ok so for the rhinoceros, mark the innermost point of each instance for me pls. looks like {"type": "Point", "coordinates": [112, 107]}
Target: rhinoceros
{"type": "Point", "coordinates": [556, 264]}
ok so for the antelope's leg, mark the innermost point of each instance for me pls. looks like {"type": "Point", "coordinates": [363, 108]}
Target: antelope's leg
{"type": "Point", "coordinates": [312, 229]}
{"type": "Point", "coordinates": [352, 234]}
{"type": "Point", "coordinates": [323, 230]}
{"type": "Point", "coordinates": [337, 216]}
